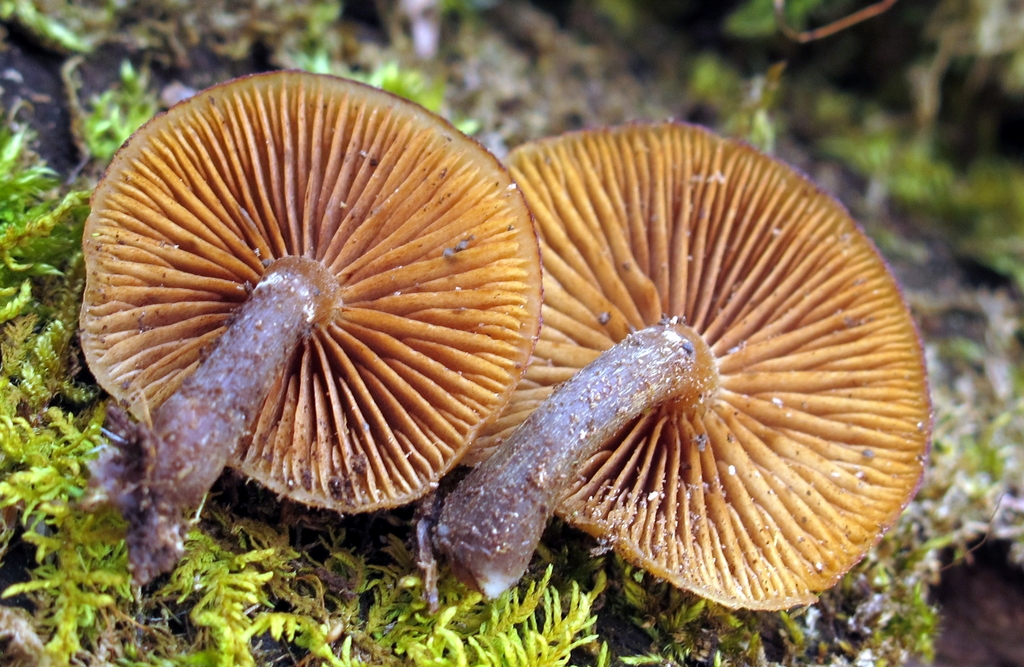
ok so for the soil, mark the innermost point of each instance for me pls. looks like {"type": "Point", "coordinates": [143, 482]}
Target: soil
{"type": "Point", "coordinates": [983, 611]}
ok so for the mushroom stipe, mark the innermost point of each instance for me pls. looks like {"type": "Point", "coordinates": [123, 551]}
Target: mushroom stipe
{"type": "Point", "coordinates": [159, 469]}
{"type": "Point", "coordinates": [491, 524]}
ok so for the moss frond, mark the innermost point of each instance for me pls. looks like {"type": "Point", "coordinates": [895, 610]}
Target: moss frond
{"type": "Point", "coordinates": [80, 573]}
{"type": "Point", "coordinates": [115, 114]}
{"type": "Point", "coordinates": [225, 586]}
{"type": "Point", "coordinates": [756, 18]}
{"type": "Point", "coordinates": [302, 631]}
{"type": "Point", "coordinates": [48, 27]}
{"type": "Point", "coordinates": [682, 626]}
{"type": "Point", "coordinates": [533, 624]}
{"type": "Point", "coordinates": [38, 232]}
{"type": "Point", "coordinates": [746, 106]}
{"type": "Point", "coordinates": [22, 179]}
{"type": "Point", "coordinates": [407, 82]}
{"type": "Point", "coordinates": [241, 581]}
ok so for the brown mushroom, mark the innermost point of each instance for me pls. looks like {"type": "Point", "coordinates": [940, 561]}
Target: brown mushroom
{"type": "Point", "coordinates": [313, 281]}
{"type": "Point", "coordinates": [802, 428]}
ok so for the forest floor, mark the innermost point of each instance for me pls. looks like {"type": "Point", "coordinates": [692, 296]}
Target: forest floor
{"type": "Point", "coordinates": [518, 73]}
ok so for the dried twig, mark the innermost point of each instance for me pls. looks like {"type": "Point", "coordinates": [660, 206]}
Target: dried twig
{"type": "Point", "coordinates": [832, 28]}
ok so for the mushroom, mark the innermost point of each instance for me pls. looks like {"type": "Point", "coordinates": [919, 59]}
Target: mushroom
{"type": "Point", "coordinates": [752, 411]}
{"type": "Point", "coordinates": [307, 279]}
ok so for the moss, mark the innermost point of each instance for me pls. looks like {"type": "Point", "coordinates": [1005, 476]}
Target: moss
{"type": "Point", "coordinates": [907, 153]}
{"type": "Point", "coordinates": [937, 151]}
{"type": "Point", "coordinates": [167, 29]}
{"type": "Point", "coordinates": [49, 423]}
{"type": "Point", "coordinates": [231, 591]}
{"type": "Point", "coordinates": [47, 24]}
{"type": "Point", "coordinates": [979, 207]}
{"type": "Point", "coordinates": [756, 18]}
{"type": "Point", "coordinates": [407, 82]}
{"type": "Point", "coordinates": [242, 584]}
{"type": "Point", "coordinates": [117, 112]}
{"type": "Point", "coordinates": [36, 233]}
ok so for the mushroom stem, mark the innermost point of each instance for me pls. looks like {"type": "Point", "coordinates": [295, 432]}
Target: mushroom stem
{"type": "Point", "coordinates": [158, 470]}
{"type": "Point", "coordinates": [491, 524]}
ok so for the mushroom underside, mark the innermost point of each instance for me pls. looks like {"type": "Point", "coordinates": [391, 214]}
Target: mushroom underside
{"type": "Point", "coordinates": [431, 248]}
{"type": "Point", "coordinates": [818, 434]}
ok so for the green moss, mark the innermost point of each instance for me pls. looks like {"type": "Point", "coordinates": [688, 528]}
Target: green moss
{"type": "Point", "coordinates": [242, 581]}
{"type": "Point", "coordinates": [979, 207]}
{"type": "Point", "coordinates": [37, 234]}
{"type": "Point", "coordinates": [231, 590]}
{"type": "Point", "coordinates": [715, 83]}
{"type": "Point", "coordinates": [169, 29]}
{"type": "Point", "coordinates": [80, 573]}
{"type": "Point", "coordinates": [115, 114]}
{"type": "Point", "coordinates": [745, 106]}
{"type": "Point", "coordinates": [407, 82]}
{"type": "Point", "coordinates": [48, 26]}
{"type": "Point", "coordinates": [933, 148]}
{"type": "Point", "coordinates": [977, 203]}
{"type": "Point", "coordinates": [756, 18]}
{"type": "Point", "coordinates": [532, 625]}
{"type": "Point", "coordinates": [404, 82]}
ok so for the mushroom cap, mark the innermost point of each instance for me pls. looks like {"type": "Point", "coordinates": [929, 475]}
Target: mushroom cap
{"type": "Point", "coordinates": [819, 432]}
{"type": "Point", "coordinates": [433, 248]}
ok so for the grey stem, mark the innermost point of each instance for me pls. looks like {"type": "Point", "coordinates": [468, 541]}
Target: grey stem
{"type": "Point", "coordinates": [491, 524]}
{"type": "Point", "coordinates": [156, 472]}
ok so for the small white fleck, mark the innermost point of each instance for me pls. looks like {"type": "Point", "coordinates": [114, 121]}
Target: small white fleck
{"type": "Point", "coordinates": [272, 279]}
{"type": "Point", "coordinates": [702, 441]}
{"type": "Point", "coordinates": [732, 470]}
{"type": "Point", "coordinates": [11, 74]}
{"type": "Point", "coordinates": [777, 402]}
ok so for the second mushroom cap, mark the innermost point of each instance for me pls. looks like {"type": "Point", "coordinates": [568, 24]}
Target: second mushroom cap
{"type": "Point", "coordinates": [817, 435]}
